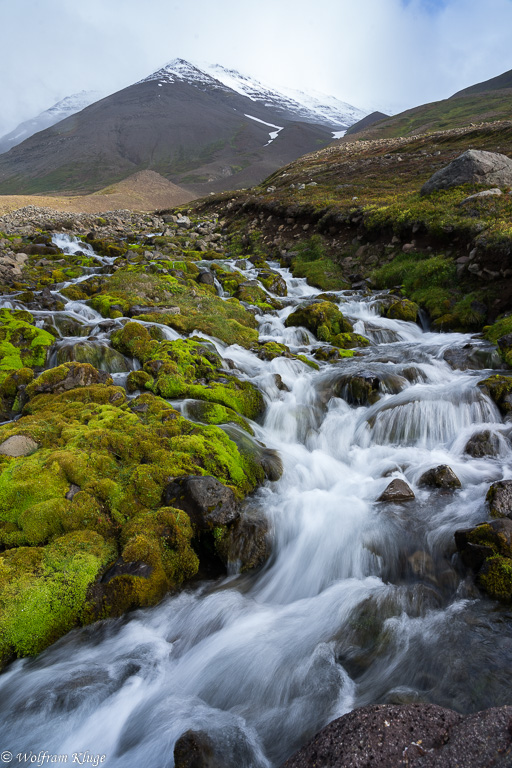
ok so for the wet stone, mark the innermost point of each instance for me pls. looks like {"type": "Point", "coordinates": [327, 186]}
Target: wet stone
{"type": "Point", "coordinates": [482, 444]}
{"type": "Point", "coordinates": [442, 476]}
{"type": "Point", "coordinates": [397, 490]}
{"type": "Point", "coordinates": [499, 497]}
{"type": "Point", "coordinates": [206, 501]}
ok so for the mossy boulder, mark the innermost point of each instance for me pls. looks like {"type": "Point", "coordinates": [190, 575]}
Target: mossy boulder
{"type": "Point", "coordinates": [269, 350]}
{"type": "Point", "coordinates": [23, 349]}
{"type": "Point", "coordinates": [487, 550]}
{"type": "Point", "coordinates": [499, 389]}
{"type": "Point", "coordinates": [156, 558]}
{"type": "Point", "coordinates": [499, 498]}
{"type": "Point", "coordinates": [185, 369]}
{"type": "Point", "coordinates": [67, 376]}
{"type": "Point", "coordinates": [403, 309]}
{"type": "Point", "coordinates": [322, 318]}
{"type": "Point", "coordinates": [22, 345]}
{"type": "Point", "coordinates": [199, 308]}
{"type": "Point", "coordinates": [349, 340]}
{"type": "Point", "coordinates": [273, 282]}
{"type": "Point", "coordinates": [43, 590]}
{"type": "Point", "coordinates": [99, 477]}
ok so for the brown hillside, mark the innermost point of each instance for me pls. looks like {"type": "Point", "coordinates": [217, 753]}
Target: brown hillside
{"type": "Point", "coordinates": [143, 191]}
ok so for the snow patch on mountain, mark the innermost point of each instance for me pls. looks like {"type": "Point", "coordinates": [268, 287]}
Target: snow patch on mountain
{"type": "Point", "coordinates": [273, 134]}
{"type": "Point", "coordinates": [294, 105]}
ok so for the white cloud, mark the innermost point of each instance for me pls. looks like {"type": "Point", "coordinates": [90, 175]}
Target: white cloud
{"type": "Point", "coordinates": [370, 52]}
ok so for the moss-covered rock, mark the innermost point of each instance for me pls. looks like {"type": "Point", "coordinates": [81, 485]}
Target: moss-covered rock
{"type": "Point", "coordinates": [43, 590]}
{"type": "Point", "coordinates": [499, 498]}
{"type": "Point", "coordinates": [499, 389]}
{"type": "Point", "coordinates": [269, 350]}
{"type": "Point", "coordinates": [403, 309]}
{"type": "Point", "coordinates": [23, 348]}
{"type": "Point", "coordinates": [22, 345]}
{"type": "Point", "coordinates": [322, 318]}
{"type": "Point", "coordinates": [487, 550]}
{"type": "Point", "coordinates": [96, 484]}
{"type": "Point", "coordinates": [199, 308]}
{"type": "Point", "coordinates": [186, 369]}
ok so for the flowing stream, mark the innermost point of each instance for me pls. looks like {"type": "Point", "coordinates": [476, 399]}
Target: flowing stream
{"type": "Point", "coordinates": [361, 601]}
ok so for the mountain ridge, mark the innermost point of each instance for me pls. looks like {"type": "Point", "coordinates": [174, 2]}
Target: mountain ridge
{"type": "Point", "coordinates": [180, 122]}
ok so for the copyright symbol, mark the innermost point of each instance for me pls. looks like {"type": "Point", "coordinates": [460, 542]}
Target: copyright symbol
{"type": "Point", "coordinates": [6, 756]}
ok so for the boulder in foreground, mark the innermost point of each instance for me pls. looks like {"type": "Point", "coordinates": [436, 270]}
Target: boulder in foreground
{"type": "Point", "coordinates": [414, 735]}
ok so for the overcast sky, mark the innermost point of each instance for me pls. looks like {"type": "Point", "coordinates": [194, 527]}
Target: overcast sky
{"type": "Point", "coordinates": [372, 53]}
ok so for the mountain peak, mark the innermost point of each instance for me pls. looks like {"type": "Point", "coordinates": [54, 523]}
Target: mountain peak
{"type": "Point", "coordinates": [180, 69]}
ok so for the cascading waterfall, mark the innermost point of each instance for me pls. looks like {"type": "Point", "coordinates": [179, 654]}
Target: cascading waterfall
{"type": "Point", "coordinates": [360, 602]}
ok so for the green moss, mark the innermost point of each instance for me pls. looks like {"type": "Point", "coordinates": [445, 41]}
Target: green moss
{"type": "Point", "coordinates": [186, 369]}
{"type": "Point", "coordinates": [43, 590]}
{"type": "Point", "coordinates": [269, 350]}
{"type": "Point", "coordinates": [349, 340]}
{"type": "Point", "coordinates": [430, 281]}
{"type": "Point", "coordinates": [495, 577]}
{"type": "Point", "coordinates": [322, 318]}
{"type": "Point", "coordinates": [22, 345]}
{"type": "Point", "coordinates": [403, 310]}
{"type": "Point", "coordinates": [213, 413]}
{"type": "Point", "coordinates": [199, 309]}
{"type": "Point", "coordinates": [499, 389]}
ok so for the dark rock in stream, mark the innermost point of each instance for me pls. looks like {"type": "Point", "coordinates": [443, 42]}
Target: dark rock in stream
{"type": "Point", "coordinates": [206, 501]}
{"type": "Point", "coordinates": [412, 736]}
{"type": "Point", "coordinates": [442, 476]}
{"type": "Point", "coordinates": [499, 497]}
{"type": "Point", "coordinates": [397, 490]}
{"type": "Point", "coordinates": [359, 389]}
{"type": "Point", "coordinates": [482, 444]}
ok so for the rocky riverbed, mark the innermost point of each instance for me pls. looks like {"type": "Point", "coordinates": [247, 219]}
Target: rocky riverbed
{"type": "Point", "coordinates": [315, 484]}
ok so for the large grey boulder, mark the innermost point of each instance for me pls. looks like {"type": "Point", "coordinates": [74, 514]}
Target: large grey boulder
{"type": "Point", "coordinates": [472, 167]}
{"type": "Point", "coordinates": [206, 501]}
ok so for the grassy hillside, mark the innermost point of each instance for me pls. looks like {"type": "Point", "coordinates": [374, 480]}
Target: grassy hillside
{"type": "Point", "coordinates": [443, 115]}
{"type": "Point", "coordinates": [353, 211]}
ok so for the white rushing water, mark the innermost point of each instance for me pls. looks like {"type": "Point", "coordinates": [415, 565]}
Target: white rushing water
{"type": "Point", "coordinates": [360, 602]}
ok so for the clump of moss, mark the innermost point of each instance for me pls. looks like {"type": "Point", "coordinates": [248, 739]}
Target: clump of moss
{"type": "Point", "coordinates": [322, 318]}
{"type": "Point", "coordinates": [23, 347]}
{"type": "Point", "coordinates": [403, 309]}
{"type": "Point", "coordinates": [349, 340]}
{"type": "Point", "coordinates": [186, 368]}
{"type": "Point", "coordinates": [43, 590]}
{"type": "Point", "coordinates": [426, 280]}
{"type": "Point", "coordinates": [199, 308]}
{"type": "Point", "coordinates": [495, 577]}
{"type": "Point", "coordinates": [269, 350]}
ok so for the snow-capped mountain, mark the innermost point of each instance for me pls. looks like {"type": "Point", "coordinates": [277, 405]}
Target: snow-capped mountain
{"type": "Point", "coordinates": [64, 108]}
{"type": "Point", "coordinates": [313, 107]}
{"type": "Point", "coordinates": [205, 129]}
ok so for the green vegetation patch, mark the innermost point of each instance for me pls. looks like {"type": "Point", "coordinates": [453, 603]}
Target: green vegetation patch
{"type": "Point", "coordinates": [313, 263]}
{"type": "Point", "coordinates": [90, 499]}
{"type": "Point", "coordinates": [185, 369]}
{"type": "Point", "coordinates": [199, 308]}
